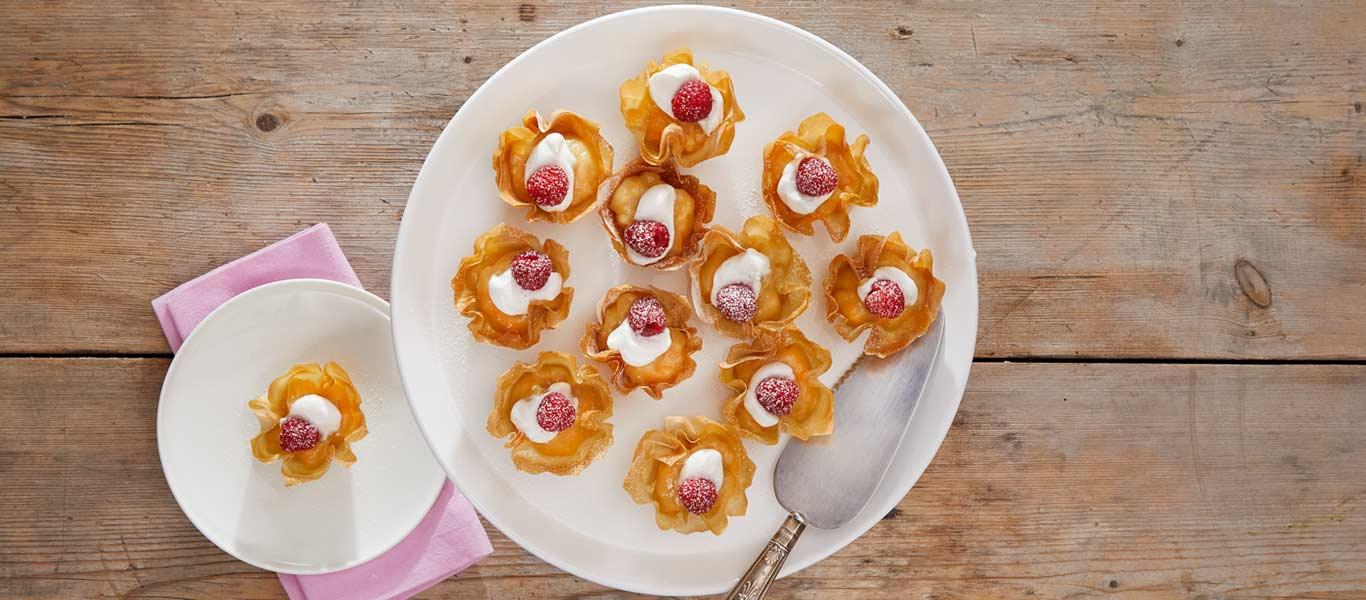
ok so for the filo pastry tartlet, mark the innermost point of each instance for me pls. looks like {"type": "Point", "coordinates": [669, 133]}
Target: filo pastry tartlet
{"type": "Point", "coordinates": [750, 282]}
{"type": "Point", "coordinates": [308, 417]}
{"type": "Point", "coordinates": [680, 111]}
{"type": "Point", "coordinates": [655, 216]}
{"type": "Point", "coordinates": [644, 336]}
{"type": "Point", "coordinates": [553, 167]}
{"type": "Point", "coordinates": [887, 287]}
{"type": "Point", "coordinates": [553, 414]}
{"type": "Point", "coordinates": [513, 287]}
{"type": "Point", "coordinates": [776, 381]}
{"type": "Point", "coordinates": [814, 174]}
{"type": "Point", "coordinates": [694, 471]}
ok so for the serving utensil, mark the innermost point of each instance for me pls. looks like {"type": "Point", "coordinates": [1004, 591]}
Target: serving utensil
{"type": "Point", "coordinates": [827, 481]}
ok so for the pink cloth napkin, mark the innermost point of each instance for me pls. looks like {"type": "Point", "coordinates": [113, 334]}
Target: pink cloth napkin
{"type": "Point", "coordinates": [449, 539]}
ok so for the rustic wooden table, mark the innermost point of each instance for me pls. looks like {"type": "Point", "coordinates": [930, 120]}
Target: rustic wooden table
{"type": "Point", "coordinates": [1168, 201]}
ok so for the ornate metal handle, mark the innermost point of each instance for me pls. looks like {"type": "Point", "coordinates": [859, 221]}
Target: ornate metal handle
{"type": "Point", "coordinates": [754, 584]}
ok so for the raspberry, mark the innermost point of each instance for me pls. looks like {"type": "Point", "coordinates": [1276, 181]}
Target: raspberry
{"type": "Point", "coordinates": [647, 317]}
{"type": "Point", "coordinates": [815, 177]}
{"type": "Point", "coordinates": [555, 412]}
{"type": "Point", "coordinates": [548, 185]}
{"type": "Point", "coordinates": [737, 302]}
{"type": "Point", "coordinates": [698, 495]}
{"type": "Point", "coordinates": [298, 434]}
{"type": "Point", "coordinates": [776, 394]}
{"type": "Point", "coordinates": [648, 238]}
{"type": "Point", "coordinates": [692, 102]}
{"type": "Point", "coordinates": [531, 270]}
{"type": "Point", "coordinates": [885, 299]}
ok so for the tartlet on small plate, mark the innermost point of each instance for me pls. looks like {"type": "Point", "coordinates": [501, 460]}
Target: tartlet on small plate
{"type": "Point", "coordinates": [679, 111]}
{"type": "Point", "coordinates": [776, 379]}
{"type": "Point", "coordinates": [553, 166]}
{"type": "Point", "coordinates": [513, 287]}
{"type": "Point", "coordinates": [553, 414]}
{"type": "Point", "coordinates": [644, 336]}
{"type": "Point", "coordinates": [676, 469]}
{"type": "Point", "coordinates": [655, 216]}
{"type": "Point", "coordinates": [731, 266]}
{"type": "Point", "coordinates": [814, 174]}
{"type": "Point", "coordinates": [309, 417]}
{"type": "Point", "coordinates": [886, 286]}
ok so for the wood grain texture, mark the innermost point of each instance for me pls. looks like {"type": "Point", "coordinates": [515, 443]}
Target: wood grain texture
{"type": "Point", "coordinates": [1116, 161]}
{"type": "Point", "coordinates": [1159, 481]}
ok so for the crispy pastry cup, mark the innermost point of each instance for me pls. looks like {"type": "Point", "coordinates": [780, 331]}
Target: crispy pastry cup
{"type": "Point", "coordinates": [659, 458]}
{"type": "Point", "coordinates": [845, 311]}
{"type": "Point", "coordinates": [666, 371]}
{"type": "Point", "coordinates": [593, 162]}
{"type": "Point", "coordinates": [662, 138]}
{"type": "Point", "coordinates": [819, 135]}
{"type": "Point", "coordinates": [571, 450]}
{"type": "Point", "coordinates": [694, 208]}
{"type": "Point", "coordinates": [493, 253]}
{"type": "Point", "coordinates": [785, 293]}
{"type": "Point", "coordinates": [330, 382]}
{"type": "Point", "coordinates": [814, 411]}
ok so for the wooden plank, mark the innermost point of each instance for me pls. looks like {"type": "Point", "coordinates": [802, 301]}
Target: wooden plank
{"type": "Point", "coordinates": [1057, 480]}
{"type": "Point", "coordinates": [1115, 162]}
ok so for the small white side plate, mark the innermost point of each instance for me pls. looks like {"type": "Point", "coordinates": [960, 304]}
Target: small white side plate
{"type": "Point", "coordinates": [204, 430]}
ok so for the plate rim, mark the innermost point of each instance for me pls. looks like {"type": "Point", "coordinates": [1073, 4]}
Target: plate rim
{"type": "Point", "coordinates": [850, 62]}
{"type": "Point", "coordinates": [350, 291]}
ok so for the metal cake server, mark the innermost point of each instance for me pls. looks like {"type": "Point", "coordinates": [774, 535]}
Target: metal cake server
{"type": "Point", "coordinates": [828, 481]}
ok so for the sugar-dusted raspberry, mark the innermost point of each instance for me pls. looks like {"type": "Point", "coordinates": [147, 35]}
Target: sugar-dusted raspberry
{"type": "Point", "coordinates": [531, 270]}
{"type": "Point", "coordinates": [692, 102]}
{"type": "Point", "coordinates": [776, 394]}
{"type": "Point", "coordinates": [648, 238]}
{"type": "Point", "coordinates": [548, 185]}
{"type": "Point", "coordinates": [697, 494]}
{"type": "Point", "coordinates": [298, 434]}
{"type": "Point", "coordinates": [815, 177]}
{"type": "Point", "coordinates": [555, 412]}
{"type": "Point", "coordinates": [647, 317]}
{"type": "Point", "coordinates": [737, 302]}
{"type": "Point", "coordinates": [885, 299]}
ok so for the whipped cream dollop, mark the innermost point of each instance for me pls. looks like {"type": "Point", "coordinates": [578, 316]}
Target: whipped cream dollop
{"type": "Point", "coordinates": [795, 200]}
{"type": "Point", "coordinates": [756, 410]}
{"type": "Point", "coordinates": [705, 463]}
{"type": "Point", "coordinates": [638, 350]}
{"type": "Point", "coordinates": [749, 267]}
{"type": "Point", "coordinates": [656, 204]}
{"type": "Point", "coordinates": [553, 149]}
{"type": "Point", "coordinates": [318, 411]}
{"type": "Point", "coordinates": [895, 275]}
{"type": "Point", "coordinates": [512, 299]}
{"type": "Point", "coordinates": [664, 84]}
{"type": "Point", "coordinates": [524, 413]}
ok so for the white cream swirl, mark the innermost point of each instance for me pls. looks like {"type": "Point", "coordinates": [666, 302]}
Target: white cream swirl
{"type": "Point", "coordinates": [756, 410]}
{"type": "Point", "coordinates": [553, 149]}
{"type": "Point", "coordinates": [512, 299]}
{"type": "Point", "coordinates": [705, 463]}
{"type": "Point", "coordinates": [749, 268]}
{"type": "Point", "coordinates": [664, 85]}
{"type": "Point", "coordinates": [638, 350]}
{"type": "Point", "coordinates": [795, 200]}
{"type": "Point", "coordinates": [656, 204]}
{"type": "Point", "coordinates": [318, 411]}
{"type": "Point", "coordinates": [523, 413]}
{"type": "Point", "coordinates": [895, 275]}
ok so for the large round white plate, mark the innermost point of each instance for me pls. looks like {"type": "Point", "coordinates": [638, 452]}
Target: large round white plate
{"type": "Point", "coordinates": [586, 524]}
{"type": "Point", "coordinates": [204, 431]}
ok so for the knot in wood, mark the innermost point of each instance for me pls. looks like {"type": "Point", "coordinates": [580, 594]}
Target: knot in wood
{"type": "Point", "coordinates": [1252, 282]}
